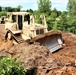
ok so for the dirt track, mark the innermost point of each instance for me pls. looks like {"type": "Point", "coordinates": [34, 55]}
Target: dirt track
{"type": "Point", "coordinates": [62, 62]}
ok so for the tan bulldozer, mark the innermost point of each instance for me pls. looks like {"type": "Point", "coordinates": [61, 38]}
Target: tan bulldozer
{"type": "Point", "coordinates": [21, 27]}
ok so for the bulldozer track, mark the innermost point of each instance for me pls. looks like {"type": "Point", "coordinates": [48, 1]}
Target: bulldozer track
{"type": "Point", "coordinates": [16, 37]}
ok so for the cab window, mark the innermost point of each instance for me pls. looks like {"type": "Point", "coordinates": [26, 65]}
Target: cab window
{"type": "Point", "coordinates": [27, 18]}
{"type": "Point", "coordinates": [39, 31]}
{"type": "Point", "coordinates": [14, 18]}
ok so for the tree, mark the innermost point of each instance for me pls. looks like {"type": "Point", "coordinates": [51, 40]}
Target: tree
{"type": "Point", "coordinates": [0, 8]}
{"type": "Point", "coordinates": [19, 8]}
{"type": "Point", "coordinates": [3, 13]}
{"type": "Point", "coordinates": [44, 6]}
{"type": "Point", "coordinates": [8, 9]}
{"type": "Point", "coordinates": [58, 13]}
{"type": "Point", "coordinates": [62, 23]}
{"type": "Point", "coordinates": [71, 6]}
{"type": "Point", "coordinates": [54, 14]}
{"type": "Point", "coordinates": [29, 10]}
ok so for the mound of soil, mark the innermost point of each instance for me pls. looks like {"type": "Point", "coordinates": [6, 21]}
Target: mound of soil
{"type": "Point", "coordinates": [39, 58]}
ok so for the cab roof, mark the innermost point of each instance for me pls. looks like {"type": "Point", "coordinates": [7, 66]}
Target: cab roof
{"type": "Point", "coordinates": [17, 13]}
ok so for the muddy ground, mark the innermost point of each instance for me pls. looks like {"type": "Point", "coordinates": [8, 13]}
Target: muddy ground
{"type": "Point", "coordinates": [38, 58]}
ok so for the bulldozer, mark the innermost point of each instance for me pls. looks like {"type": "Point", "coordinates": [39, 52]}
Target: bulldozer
{"type": "Point", "coordinates": [21, 27]}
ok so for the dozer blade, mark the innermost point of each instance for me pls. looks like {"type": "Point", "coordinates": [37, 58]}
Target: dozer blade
{"type": "Point", "coordinates": [52, 40]}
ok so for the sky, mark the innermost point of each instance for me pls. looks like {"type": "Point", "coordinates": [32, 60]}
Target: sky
{"type": "Point", "coordinates": [60, 5]}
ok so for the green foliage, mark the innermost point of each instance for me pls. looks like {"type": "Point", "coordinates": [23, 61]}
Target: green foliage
{"type": "Point", "coordinates": [0, 8]}
{"type": "Point", "coordinates": [72, 15]}
{"type": "Point", "coordinates": [37, 14]}
{"type": "Point", "coordinates": [10, 9]}
{"type": "Point", "coordinates": [56, 20]}
{"type": "Point", "coordinates": [58, 13]}
{"type": "Point", "coordinates": [51, 19]}
{"type": "Point", "coordinates": [29, 10]}
{"type": "Point", "coordinates": [71, 6]}
{"type": "Point", "coordinates": [44, 6]}
{"type": "Point", "coordinates": [19, 8]}
{"type": "Point", "coordinates": [9, 66]}
{"type": "Point", "coordinates": [3, 13]}
{"type": "Point", "coordinates": [62, 24]}
{"type": "Point", "coordinates": [53, 15]}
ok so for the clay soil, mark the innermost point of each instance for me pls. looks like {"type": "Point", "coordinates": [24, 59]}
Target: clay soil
{"type": "Point", "coordinates": [38, 59]}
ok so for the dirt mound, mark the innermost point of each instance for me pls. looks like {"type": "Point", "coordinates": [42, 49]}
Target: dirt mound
{"type": "Point", "coordinates": [2, 31]}
{"type": "Point", "coordinates": [33, 56]}
{"type": "Point", "coordinates": [39, 58]}
{"type": "Point", "coordinates": [63, 71]}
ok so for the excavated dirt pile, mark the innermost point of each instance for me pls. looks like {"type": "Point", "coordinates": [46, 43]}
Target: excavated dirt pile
{"type": "Point", "coordinates": [34, 57]}
{"type": "Point", "coordinates": [38, 59]}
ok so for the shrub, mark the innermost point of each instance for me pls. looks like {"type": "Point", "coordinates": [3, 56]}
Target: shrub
{"type": "Point", "coordinates": [3, 13]}
{"type": "Point", "coordinates": [9, 66]}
